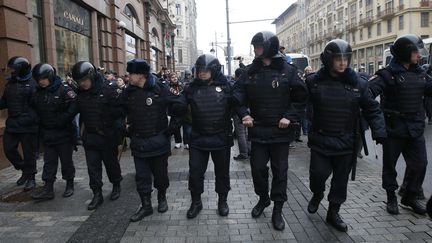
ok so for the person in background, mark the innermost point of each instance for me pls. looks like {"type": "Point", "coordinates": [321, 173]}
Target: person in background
{"type": "Point", "coordinates": [240, 130]}
{"type": "Point", "coordinates": [175, 123]}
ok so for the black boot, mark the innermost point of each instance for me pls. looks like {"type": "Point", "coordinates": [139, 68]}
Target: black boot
{"type": "Point", "coordinates": [277, 219]}
{"type": "Point", "coordinates": [162, 201]}
{"type": "Point", "coordinates": [196, 206]}
{"type": "Point", "coordinates": [410, 200]}
{"type": "Point", "coordinates": [115, 193]}
{"type": "Point", "coordinates": [97, 199]}
{"type": "Point", "coordinates": [30, 183]}
{"type": "Point", "coordinates": [315, 202]}
{"type": "Point", "coordinates": [420, 195]}
{"type": "Point", "coordinates": [392, 203]}
{"type": "Point", "coordinates": [429, 207]}
{"type": "Point", "coordinates": [223, 208]}
{"type": "Point", "coordinates": [334, 219]}
{"type": "Point", "coordinates": [22, 180]}
{"type": "Point", "coordinates": [260, 206]}
{"type": "Point", "coordinates": [69, 190]}
{"type": "Point", "coordinates": [47, 193]}
{"type": "Point", "coordinates": [145, 209]}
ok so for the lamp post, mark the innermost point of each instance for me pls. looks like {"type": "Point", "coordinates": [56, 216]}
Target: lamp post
{"type": "Point", "coordinates": [228, 54]}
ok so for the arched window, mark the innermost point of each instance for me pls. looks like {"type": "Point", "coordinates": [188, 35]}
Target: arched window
{"type": "Point", "coordinates": [155, 33]}
{"type": "Point", "coordinates": [131, 13]}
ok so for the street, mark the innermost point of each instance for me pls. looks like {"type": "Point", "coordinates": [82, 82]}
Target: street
{"type": "Point", "coordinates": [68, 220]}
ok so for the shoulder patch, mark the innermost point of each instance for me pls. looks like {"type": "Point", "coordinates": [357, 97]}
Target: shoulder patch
{"type": "Point", "coordinates": [71, 94]}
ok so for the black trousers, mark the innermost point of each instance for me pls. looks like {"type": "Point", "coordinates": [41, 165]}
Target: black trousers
{"type": "Point", "coordinates": [277, 153]}
{"type": "Point", "coordinates": [94, 159]}
{"type": "Point", "coordinates": [322, 166]}
{"type": "Point", "coordinates": [52, 153]}
{"type": "Point", "coordinates": [29, 145]}
{"type": "Point", "coordinates": [414, 152]}
{"type": "Point", "coordinates": [198, 161]}
{"type": "Point", "coordinates": [151, 167]}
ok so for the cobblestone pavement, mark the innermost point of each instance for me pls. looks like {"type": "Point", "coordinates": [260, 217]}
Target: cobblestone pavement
{"type": "Point", "coordinates": [62, 220]}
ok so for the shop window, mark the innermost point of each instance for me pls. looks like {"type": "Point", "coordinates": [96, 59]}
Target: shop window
{"type": "Point", "coordinates": [71, 48]}
{"type": "Point", "coordinates": [37, 33]}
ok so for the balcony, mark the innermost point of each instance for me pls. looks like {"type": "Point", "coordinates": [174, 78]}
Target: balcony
{"type": "Point", "coordinates": [367, 21]}
{"type": "Point", "coordinates": [425, 4]}
{"type": "Point", "coordinates": [386, 14]}
{"type": "Point", "coordinates": [351, 26]}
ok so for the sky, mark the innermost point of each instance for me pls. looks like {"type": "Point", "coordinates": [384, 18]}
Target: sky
{"type": "Point", "coordinates": [211, 22]}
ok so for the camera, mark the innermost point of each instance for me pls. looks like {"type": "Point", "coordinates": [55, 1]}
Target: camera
{"type": "Point", "coordinates": [239, 58]}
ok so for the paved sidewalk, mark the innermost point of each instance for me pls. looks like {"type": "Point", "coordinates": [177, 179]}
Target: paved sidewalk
{"type": "Point", "coordinates": [62, 220]}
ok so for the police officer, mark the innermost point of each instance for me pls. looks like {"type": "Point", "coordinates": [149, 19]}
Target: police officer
{"type": "Point", "coordinates": [402, 85]}
{"type": "Point", "coordinates": [99, 107]}
{"type": "Point", "coordinates": [54, 103]}
{"type": "Point", "coordinates": [209, 96]}
{"type": "Point", "coordinates": [21, 124]}
{"type": "Point", "coordinates": [147, 101]}
{"type": "Point", "coordinates": [336, 93]}
{"type": "Point", "coordinates": [268, 87]}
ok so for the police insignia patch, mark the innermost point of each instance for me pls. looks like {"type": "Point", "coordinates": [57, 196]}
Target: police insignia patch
{"type": "Point", "coordinates": [149, 101]}
{"type": "Point", "coordinates": [275, 84]}
{"type": "Point", "coordinates": [71, 94]}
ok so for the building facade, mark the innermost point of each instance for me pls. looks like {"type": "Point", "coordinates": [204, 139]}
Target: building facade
{"type": "Point", "coordinates": [370, 26]}
{"type": "Point", "coordinates": [183, 13]}
{"type": "Point", "coordinates": [62, 32]}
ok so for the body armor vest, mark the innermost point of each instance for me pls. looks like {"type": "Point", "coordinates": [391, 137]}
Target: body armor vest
{"type": "Point", "coordinates": [147, 113]}
{"type": "Point", "coordinates": [92, 109]}
{"type": "Point", "coordinates": [17, 96]}
{"type": "Point", "coordinates": [406, 93]}
{"type": "Point", "coordinates": [335, 107]}
{"type": "Point", "coordinates": [210, 109]}
{"type": "Point", "coordinates": [49, 105]}
{"type": "Point", "coordinates": [270, 91]}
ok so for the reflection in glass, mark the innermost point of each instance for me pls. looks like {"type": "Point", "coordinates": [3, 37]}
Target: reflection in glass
{"type": "Point", "coordinates": [71, 48]}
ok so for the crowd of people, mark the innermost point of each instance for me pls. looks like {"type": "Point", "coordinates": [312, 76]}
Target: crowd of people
{"type": "Point", "coordinates": [268, 102]}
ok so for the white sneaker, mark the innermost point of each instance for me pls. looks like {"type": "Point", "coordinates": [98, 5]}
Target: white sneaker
{"type": "Point", "coordinates": [186, 146]}
{"type": "Point", "coordinates": [177, 145]}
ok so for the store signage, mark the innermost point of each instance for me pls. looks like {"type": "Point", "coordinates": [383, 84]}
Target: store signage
{"type": "Point", "coordinates": [71, 16]}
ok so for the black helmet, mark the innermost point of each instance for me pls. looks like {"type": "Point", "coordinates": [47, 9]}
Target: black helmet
{"type": "Point", "coordinates": [208, 62]}
{"type": "Point", "coordinates": [337, 47]}
{"type": "Point", "coordinates": [268, 41]}
{"type": "Point", "coordinates": [44, 71]}
{"type": "Point", "coordinates": [405, 45]}
{"type": "Point", "coordinates": [20, 65]}
{"type": "Point", "coordinates": [82, 70]}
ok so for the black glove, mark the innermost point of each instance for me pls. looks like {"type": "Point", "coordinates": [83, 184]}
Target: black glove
{"type": "Point", "coordinates": [380, 140]}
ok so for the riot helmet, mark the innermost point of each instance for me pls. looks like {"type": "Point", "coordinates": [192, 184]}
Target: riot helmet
{"type": "Point", "coordinates": [336, 48]}
{"type": "Point", "coordinates": [210, 63]}
{"type": "Point", "coordinates": [405, 45]}
{"type": "Point", "coordinates": [44, 71]}
{"type": "Point", "coordinates": [83, 70]}
{"type": "Point", "coordinates": [268, 41]}
{"type": "Point", "coordinates": [19, 66]}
